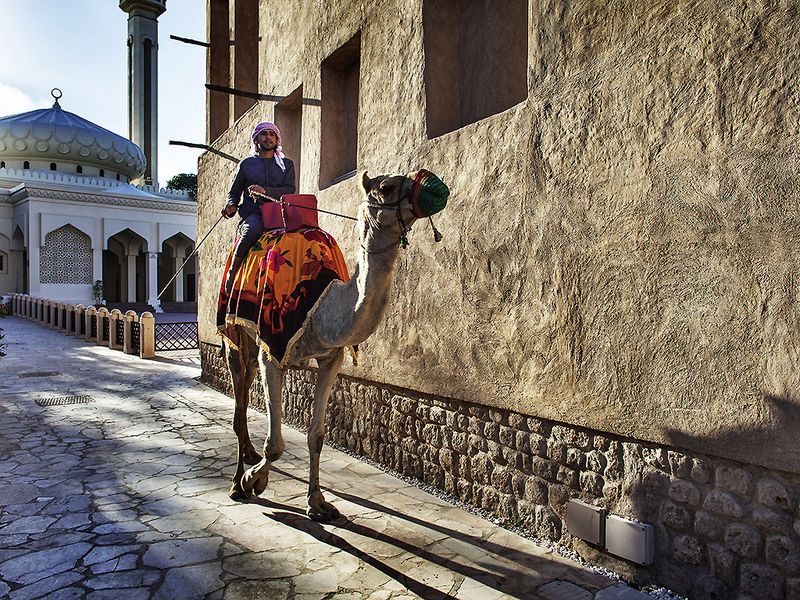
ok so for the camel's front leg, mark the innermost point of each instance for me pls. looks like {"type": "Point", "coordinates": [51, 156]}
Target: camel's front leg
{"type": "Point", "coordinates": [243, 367]}
{"type": "Point", "coordinates": [255, 479]}
{"type": "Point", "coordinates": [318, 508]}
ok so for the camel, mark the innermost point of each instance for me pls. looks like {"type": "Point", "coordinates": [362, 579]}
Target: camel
{"type": "Point", "coordinates": [345, 316]}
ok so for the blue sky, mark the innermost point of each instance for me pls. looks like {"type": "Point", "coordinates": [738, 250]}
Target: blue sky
{"type": "Point", "coordinates": [79, 46]}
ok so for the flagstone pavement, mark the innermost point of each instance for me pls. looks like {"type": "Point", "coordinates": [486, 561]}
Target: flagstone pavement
{"type": "Point", "coordinates": [125, 497]}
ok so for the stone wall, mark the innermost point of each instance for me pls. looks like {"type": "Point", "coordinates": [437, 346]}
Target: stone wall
{"type": "Point", "coordinates": [618, 281]}
{"type": "Point", "coordinates": [722, 527]}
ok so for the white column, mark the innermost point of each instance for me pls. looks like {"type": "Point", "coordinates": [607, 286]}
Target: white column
{"type": "Point", "coordinates": [152, 281]}
{"type": "Point", "coordinates": [179, 279]}
{"type": "Point", "coordinates": [97, 267]}
{"type": "Point", "coordinates": [131, 277]}
{"type": "Point", "coordinates": [33, 270]}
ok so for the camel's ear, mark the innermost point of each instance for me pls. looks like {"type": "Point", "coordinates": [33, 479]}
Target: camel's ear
{"type": "Point", "coordinates": [365, 182]}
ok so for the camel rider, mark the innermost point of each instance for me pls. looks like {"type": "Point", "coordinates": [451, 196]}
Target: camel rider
{"type": "Point", "coordinates": [268, 172]}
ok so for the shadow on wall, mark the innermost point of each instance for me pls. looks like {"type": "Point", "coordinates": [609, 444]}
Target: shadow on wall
{"type": "Point", "coordinates": [784, 415]}
{"type": "Point", "coordinates": [722, 527]}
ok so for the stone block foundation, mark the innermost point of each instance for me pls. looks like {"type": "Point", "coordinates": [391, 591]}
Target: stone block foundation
{"type": "Point", "coordinates": [723, 529]}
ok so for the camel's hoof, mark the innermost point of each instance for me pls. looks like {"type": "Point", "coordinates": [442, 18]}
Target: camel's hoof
{"type": "Point", "coordinates": [326, 512]}
{"type": "Point", "coordinates": [255, 483]}
{"type": "Point", "coordinates": [238, 494]}
{"type": "Point", "coordinates": [252, 458]}
{"type": "Point", "coordinates": [260, 484]}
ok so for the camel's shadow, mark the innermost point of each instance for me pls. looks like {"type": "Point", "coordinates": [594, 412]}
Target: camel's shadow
{"type": "Point", "coordinates": [501, 577]}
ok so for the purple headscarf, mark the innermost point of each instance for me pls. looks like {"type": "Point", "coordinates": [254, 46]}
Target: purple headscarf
{"type": "Point", "coordinates": [269, 127]}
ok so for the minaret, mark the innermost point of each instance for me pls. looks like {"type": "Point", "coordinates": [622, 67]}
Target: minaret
{"type": "Point", "coordinates": [143, 79]}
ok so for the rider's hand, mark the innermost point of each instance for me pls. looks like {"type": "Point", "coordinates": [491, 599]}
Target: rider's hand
{"type": "Point", "coordinates": [257, 189]}
{"type": "Point", "coordinates": [229, 211]}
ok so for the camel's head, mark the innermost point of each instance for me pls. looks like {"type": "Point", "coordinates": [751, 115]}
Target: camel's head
{"type": "Point", "coordinates": [395, 202]}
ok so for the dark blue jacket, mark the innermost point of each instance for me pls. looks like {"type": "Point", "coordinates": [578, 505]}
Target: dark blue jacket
{"type": "Point", "coordinates": [265, 172]}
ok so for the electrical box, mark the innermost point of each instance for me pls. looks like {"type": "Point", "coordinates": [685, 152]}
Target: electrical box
{"type": "Point", "coordinates": [585, 521]}
{"type": "Point", "coordinates": [630, 540]}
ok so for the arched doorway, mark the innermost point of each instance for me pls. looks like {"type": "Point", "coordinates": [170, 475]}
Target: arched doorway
{"type": "Point", "coordinates": [124, 268]}
{"type": "Point", "coordinates": [19, 262]}
{"type": "Point", "coordinates": [174, 251]}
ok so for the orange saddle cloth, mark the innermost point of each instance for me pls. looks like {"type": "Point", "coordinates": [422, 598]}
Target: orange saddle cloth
{"type": "Point", "coordinates": [279, 284]}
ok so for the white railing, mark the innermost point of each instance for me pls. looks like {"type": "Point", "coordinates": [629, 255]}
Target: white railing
{"type": "Point", "coordinates": [94, 324]}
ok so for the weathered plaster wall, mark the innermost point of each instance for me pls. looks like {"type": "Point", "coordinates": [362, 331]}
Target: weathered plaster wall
{"type": "Point", "coordinates": [621, 249]}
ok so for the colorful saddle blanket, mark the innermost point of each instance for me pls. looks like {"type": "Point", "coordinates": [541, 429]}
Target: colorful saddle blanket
{"type": "Point", "coordinates": [278, 285]}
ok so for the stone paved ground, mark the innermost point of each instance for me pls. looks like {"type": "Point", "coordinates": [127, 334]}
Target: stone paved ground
{"type": "Point", "coordinates": [125, 497]}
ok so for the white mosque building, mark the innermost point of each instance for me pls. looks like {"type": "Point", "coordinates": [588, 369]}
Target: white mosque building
{"type": "Point", "coordinates": [69, 215]}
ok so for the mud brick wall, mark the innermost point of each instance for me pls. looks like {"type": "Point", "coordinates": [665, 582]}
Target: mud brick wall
{"type": "Point", "coordinates": [723, 530]}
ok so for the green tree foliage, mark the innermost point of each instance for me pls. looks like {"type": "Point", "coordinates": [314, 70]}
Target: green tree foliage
{"type": "Point", "coordinates": [184, 181]}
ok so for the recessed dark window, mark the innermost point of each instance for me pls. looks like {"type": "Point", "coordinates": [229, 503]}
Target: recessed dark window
{"type": "Point", "coordinates": [476, 60]}
{"type": "Point", "coordinates": [102, 172]}
{"type": "Point", "coordinates": [245, 52]}
{"type": "Point", "coordinates": [289, 118]}
{"type": "Point", "coordinates": [26, 165]}
{"type": "Point", "coordinates": [117, 176]}
{"type": "Point", "coordinates": [2, 164]}
{"type": "Point", "coordinates": [53, 166]}
{"type": "Point", "coordinates": [339, 143]}
{"type": "Point", "coordinates": [79, 169]}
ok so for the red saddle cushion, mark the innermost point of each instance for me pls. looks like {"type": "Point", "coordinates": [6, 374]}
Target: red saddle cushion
{"type": "Point", "coordinates": [300, 212]}
{"type": "Point", "coordinates": [271, 215]}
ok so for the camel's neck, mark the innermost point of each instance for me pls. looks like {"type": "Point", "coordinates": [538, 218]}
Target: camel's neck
{"type": "Point", "coordinates": [373, 282]}
{"type": "Point", "coordinates": [350, 313]}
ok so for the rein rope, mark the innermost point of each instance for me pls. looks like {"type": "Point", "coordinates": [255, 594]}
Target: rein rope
{"type": "Point", "coordinates": [265, 198]}
{"type": "Point", "coordinates": [403, 240]}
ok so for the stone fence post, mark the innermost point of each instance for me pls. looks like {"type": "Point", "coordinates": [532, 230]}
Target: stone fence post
{"type": "Point", "coordinates": [64, 315]}
{"type": "Point", "coordinates": [147, 335]}
{"type": "Point", "coordinates": [114, 342]}
{"type": "Point", "coordinates": [80, 322]}
{"type": "Point", "coordinates": [69, 319]}
{"type": "Point", "coordinates": [127, 342]}
{"type": "Point", "coordinates": [102, 313]}
{"type": "Point", "coordinates": [89, 318]}
{"type": "Point", "coordinates": [58, 322]}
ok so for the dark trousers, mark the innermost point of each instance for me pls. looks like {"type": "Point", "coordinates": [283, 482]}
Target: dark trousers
{"type": "Point", "coordinates": [250, 228]}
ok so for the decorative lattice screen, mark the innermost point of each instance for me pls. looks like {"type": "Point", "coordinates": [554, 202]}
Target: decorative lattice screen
{"type": "Point", "coordinates": [66, 257]}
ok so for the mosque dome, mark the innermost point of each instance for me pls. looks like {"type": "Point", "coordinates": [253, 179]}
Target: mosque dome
{"type": "Point", "coordinates": [53, 135]}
